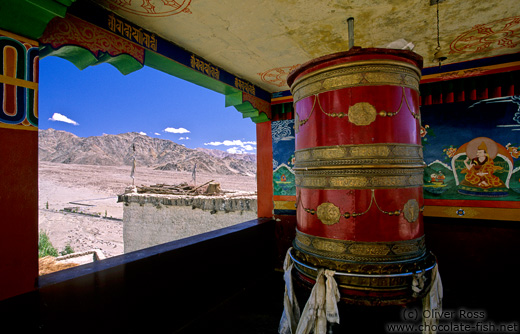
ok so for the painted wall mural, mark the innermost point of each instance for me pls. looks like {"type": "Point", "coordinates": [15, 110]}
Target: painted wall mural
{"type": "Point", "coordinates": [18, 82]}
{"type": "Point", "coordinates": [472, 151]}
{"type": "Point", "coordinates": [283, 158]}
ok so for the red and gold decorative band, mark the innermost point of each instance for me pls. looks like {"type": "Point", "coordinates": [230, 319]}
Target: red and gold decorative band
{"type": "Point", "coordinates": [348, 250]}
{"type": "Point", "coordinates": [359, 166]}
{"type": "Point", "coordinates": [359, 155]}
{"type": "Point", "coordinates": [387, 283]}
{"type": "Point", "coordinates": [378, 72]}
{"type": "Point", "coordinates": [360, 178]}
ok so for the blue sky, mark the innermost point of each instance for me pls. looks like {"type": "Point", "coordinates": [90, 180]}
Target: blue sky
{"type": "Point", "coordinates": [100, 100]}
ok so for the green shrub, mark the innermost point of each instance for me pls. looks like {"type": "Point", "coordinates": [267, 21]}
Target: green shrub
{"type": "Point", "coordinates": [67, 250]}
{"type": "Point", "coordinates": [45, 246]}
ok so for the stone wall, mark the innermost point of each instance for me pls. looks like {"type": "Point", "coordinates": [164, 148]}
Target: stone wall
{"type": "Point", "coordinates": [152, 219]}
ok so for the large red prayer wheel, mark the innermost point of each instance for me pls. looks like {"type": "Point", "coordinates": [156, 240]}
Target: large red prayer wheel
{"type": "Point", "coordinates": [359, 175]}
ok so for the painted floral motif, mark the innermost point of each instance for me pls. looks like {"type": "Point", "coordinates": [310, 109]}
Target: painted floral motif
{"type": "Point", "coordinates": [500, 34]}
{"type": "Point", "coordinates": [426, 131]}
{"type": "Point", "coordinates": [151, 7]}
{"type": "Point", "coordinates": [513, 150]}
{"type": "Point", "coordinates": [277, 76]}
{"type": "Point", "coordinates": [450, 152]}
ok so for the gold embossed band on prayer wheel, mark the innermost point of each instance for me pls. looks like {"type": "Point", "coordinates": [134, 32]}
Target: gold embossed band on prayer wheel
{"type": "Point", "coordinates": [359, 175]}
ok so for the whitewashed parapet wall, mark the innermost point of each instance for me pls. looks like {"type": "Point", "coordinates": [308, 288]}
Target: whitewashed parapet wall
{"type": "Point", "coordinates": [151, 219]}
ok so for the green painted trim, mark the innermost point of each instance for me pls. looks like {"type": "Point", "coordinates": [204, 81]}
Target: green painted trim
{"type": "Point", "coordinates": [260, 119]}
{"type": "Point", "coordinates": [250, 114]}
{"type": "Point", "coordinates": [50, 6]}
{"type": "Point", "coordinates": [29, 18]}
{"type": "Point", "coordinates": [234, 99]}
{"type": "Point", "coordinates": [282, 108]}
{"type": "Point", "coordinates": [171, 67]}
{"type": "Point", "coordinates": [83, 58]}
{"type": "Point", "coordinates": [125, 64]}
{"type": "Point", "coordinates": [233, 96]}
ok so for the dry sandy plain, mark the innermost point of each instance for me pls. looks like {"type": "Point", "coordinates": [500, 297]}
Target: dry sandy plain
{"type": "Point", "coordinates": [93, 190]}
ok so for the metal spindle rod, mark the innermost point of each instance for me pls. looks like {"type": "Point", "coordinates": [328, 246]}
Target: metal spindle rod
{"type": "Point", "coordinates": [350, 22]}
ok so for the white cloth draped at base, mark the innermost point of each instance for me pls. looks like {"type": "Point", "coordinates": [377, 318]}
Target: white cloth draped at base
{"type": "Point", "coordinates": [432, 303]}
{"type": "Point", "coordinates": [291, 311]}
{"type": "Point", "coordinates": [321, 307]}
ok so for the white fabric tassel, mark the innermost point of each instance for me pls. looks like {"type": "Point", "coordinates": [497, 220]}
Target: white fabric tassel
{"type": "Point", "coordinates": [332, 297]}
{"type": "Point", "coordinates": [291, 312]}
{"type": "Point", "coordinates": [432, 302]}
{"type": "Point", "coordinates": [322, 306]}
{"type": "Point", "coordinates": [310, 319]}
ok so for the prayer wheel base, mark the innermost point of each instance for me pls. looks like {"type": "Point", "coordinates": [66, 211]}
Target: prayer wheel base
{"type": "Point", "coordinates": [372, 284]}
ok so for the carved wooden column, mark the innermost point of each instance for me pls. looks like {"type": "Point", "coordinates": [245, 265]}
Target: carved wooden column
{"type": "Point", "coordinates": [359, 174]}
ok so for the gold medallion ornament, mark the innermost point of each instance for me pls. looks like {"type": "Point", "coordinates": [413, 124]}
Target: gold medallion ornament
{"type": "Point", "coordinates": [328, 213]}
{"type": "Point", "coordinates": [362, 113]}
{"type": "Point", "coordinates": [411, 210]}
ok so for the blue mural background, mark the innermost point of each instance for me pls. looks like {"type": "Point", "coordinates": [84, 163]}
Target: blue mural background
{"type": "Point", "coordinates": [447, 127]}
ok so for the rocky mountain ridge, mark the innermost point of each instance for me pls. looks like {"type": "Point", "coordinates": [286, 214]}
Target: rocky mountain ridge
{"type": "Point", "coordinates": [118, 150]}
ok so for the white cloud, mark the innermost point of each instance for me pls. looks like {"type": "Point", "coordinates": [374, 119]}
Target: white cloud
{"type": "Point", "coordinates": [235, 150]}
{"type": "Point", "coordinates": [157, 134]}
{"type": "Point", "coordinates": [56, 117]}
{"type": "Point", "coordinates": [184, 138]}
{"type": "Point", "coordinates": [244, 144]}
{"type": "Point", "coordinates": [142, 133]}
{"type": "Point", "coordinates": [240, 147]}
{"type": "Point", "coordinates": [175, 130]}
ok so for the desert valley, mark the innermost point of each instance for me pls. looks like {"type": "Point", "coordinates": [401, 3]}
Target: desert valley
{"type": "Point", "coordinates": [80, 178]}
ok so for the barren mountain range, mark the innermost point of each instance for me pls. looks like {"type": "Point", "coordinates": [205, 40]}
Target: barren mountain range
{"type": "Point", "coordinates": [118, 150]}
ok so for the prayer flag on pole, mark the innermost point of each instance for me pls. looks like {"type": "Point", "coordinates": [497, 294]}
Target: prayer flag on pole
{"type": "Point", "coordinates": [133, 165]}
{"type": "Point", "coordinates": [194, 174]}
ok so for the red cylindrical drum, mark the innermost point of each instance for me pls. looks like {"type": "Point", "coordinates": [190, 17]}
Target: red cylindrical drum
{"type": "Point", "coordinates": [359, 174]}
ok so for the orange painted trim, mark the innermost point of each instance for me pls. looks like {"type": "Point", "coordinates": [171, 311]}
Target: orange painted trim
{"type": "Point", "coordinates": [18, 127]}
{"type": "Point", "coordinates": [285, 205]}
{"type": "Point", "coordinates": [279, 100]}
{"type": "Point", "coordinates": [284, 198]}
{"type": "Point", "coordinates": [264, 169]}
{"type": "Point", "coordinates": [19, 38]}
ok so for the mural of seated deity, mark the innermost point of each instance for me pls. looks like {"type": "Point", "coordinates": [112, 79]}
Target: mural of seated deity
{"type": "Point", "coordinates": [483, 168]}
